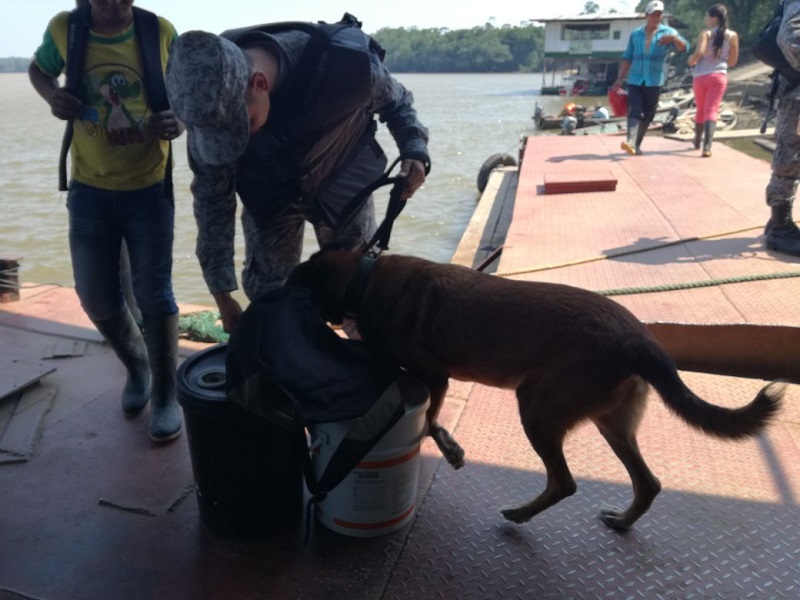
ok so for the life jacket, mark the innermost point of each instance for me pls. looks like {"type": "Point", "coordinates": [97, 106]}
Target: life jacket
{"type": "Point", "coordinates": [146, 30]}
{"type": "Point", "coordinates": [328, 89]}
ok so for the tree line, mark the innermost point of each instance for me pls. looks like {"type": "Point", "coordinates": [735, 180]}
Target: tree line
{"type": "Point", "coordinates": [479, 49]}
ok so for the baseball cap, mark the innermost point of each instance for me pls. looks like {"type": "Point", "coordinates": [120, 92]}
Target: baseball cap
{"type": "Point", "coordinates": [206, 80]}
{"type": "Point", "coordinates": [654, 6]}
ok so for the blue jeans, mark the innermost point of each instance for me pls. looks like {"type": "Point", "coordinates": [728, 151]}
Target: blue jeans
{"type": "Point", "coordinates": [98, 222]}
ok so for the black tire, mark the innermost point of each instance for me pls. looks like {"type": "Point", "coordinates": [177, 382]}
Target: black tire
{"type": "Point", "coordinates": [491, 163]}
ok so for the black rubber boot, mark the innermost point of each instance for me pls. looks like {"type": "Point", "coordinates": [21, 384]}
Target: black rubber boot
{"type": "Point", "coordinates": [708, 136]}
{"type": "Point", "coordinates": [123, 335]}
{"type": "Point", "coordinates": [641, 131]}
{"type": "Point", "coordinates": [698, 135]}
{"type": "Point", "coordinates": [629, 145]}
{"type": "Point", "coordinates": [782, 233]}
{"type": "Point", "coordinates": [161, 336]}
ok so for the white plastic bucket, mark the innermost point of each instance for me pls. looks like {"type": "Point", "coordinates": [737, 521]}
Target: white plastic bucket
{"type": "Point", "coordinates": [380, 495]}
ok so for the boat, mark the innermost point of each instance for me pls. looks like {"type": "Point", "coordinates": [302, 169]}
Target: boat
{"type": "Point", "coordinates": [585, 118]}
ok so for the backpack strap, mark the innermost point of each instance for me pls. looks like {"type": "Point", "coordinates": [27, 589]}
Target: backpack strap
{"type": "Point", "coordinates": [148, 39]}
{"type": "Point", "coordinates": [310, 59]}
{"type": "Point", "coordinates": [77, 37]}
{"type": "Point", "coordinates": [363, 435]}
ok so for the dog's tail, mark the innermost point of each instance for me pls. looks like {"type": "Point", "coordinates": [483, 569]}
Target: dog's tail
{"type": "Point", "coordinates": [656, 366]}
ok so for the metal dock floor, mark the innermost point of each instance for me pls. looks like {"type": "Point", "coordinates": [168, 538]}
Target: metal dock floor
{"type": "Point", "coordinates": [91, 509]}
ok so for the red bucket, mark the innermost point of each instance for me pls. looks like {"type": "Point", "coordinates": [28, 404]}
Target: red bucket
{"type": "Point", "coordinates": [618, 101]}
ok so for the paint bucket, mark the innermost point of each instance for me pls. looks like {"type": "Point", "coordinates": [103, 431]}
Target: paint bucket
{"type": "Point", "coordinates": [380, 495]}
{"type": "Point", "coordinates": [247, 470]}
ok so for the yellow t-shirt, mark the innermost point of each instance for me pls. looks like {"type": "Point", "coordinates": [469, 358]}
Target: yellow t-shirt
{"type": "Point", "coordinates": [112, 147]}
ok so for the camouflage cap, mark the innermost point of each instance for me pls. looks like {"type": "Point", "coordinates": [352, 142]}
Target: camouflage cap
{"type": "Point", "coordinates": [206, 80]}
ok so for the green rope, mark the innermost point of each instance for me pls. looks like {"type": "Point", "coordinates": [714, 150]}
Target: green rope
{"type": "Point", "coordinates": [202, 326]}
{"type": "Point", "coordinates": [696, 284]}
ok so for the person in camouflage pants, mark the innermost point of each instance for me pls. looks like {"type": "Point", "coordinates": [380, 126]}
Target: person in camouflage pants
{"type": "Point", "coordinates": [782, 234]}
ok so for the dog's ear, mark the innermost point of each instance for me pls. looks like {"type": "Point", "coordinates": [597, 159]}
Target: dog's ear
{"type": "Point", "coordinates": [327, 290]}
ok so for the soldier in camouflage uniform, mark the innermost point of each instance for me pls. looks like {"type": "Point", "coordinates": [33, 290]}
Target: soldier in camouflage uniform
{"type": "Point", "coordinates": [224, 92]}
{"type": "Point", "coordinates": [781, 231]}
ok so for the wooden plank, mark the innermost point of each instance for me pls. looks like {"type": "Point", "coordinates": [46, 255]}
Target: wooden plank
{"type": "Point", "coordinates": [740, 350]}
{"type": "Point", "coordinates": [16, 375]}
{"type": "Point", "coordinates": [65, 349]}
{"type": "Point", "coordinates": [571, 182]}
{"type": "Point", "coordinates": [23, 429]}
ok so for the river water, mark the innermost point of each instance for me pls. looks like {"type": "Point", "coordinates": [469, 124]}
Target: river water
{"type": "Point", "coordinates": [470, 117]}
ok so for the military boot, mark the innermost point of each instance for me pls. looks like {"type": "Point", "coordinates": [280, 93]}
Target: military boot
{"type": "Point", "coordinates": [782, 233]}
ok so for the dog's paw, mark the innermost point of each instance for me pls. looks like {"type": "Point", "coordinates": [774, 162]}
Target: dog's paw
{"type": "Point", "coordinates": [451, 450]}
{"type": "Point", "coordinates": [515, 514]}
{"type": "Point", "coordinates": [612, 517]}
{"type": "Point", "coordinates": [455, 457]}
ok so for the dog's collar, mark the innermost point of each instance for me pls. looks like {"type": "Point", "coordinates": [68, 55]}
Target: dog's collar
{"type": "Point", "coordinates": [354, 291]}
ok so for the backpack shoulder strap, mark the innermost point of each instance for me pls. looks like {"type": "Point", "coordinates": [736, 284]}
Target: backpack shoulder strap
{"type": "Point", "coordinates": [77, 37]}
{"type": "Point", "coordinates": [362, 437]}
{"type": "Point", "coordinates": [149, 41]}
{"type": "Point", "coordinates": [148, 38]}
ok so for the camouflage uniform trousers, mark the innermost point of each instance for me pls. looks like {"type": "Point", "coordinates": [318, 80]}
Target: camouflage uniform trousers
{"type": "Point", "coordinates": [272, 252]}
{"type": "Point", "coordinates": [782, 185]}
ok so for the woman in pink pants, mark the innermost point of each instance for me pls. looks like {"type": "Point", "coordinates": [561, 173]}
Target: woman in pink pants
{"type": "Point", "coordinates": [716, 51]}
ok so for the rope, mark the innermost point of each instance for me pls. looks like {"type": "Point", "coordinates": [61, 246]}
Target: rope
{"type": "Point", "coordinates": [663, 287]}
{"type": "Point", "coordinates": [696, 284]}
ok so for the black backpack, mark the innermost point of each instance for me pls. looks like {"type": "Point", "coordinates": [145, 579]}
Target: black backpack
{"type": "Point", "coordinates": [284, 364]}
{"type": "Point", "coordinates": [766, 48]}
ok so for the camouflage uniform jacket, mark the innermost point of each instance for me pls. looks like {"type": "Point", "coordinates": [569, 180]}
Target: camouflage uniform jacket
{"type": "Point", "coordinates": [789, 41]}
{"type": "Point", "coordinates": [214, 187]}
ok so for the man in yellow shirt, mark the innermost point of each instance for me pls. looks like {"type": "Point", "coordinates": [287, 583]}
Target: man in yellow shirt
{"type": "Point", "coordinates": [119, 155]}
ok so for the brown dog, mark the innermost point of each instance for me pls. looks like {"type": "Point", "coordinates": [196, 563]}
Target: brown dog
{"type": "Point", "coordinates": [570, 354]}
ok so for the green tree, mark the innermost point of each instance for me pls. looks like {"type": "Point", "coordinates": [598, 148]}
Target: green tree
{"type": "Point", "coordinates": [590, 8]}
{"type": "Point", "coordinates": [479, 49]}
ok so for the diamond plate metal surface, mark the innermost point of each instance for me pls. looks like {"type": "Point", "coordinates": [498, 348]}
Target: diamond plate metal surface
{"type": "Point", "coordinates": [737, 538]}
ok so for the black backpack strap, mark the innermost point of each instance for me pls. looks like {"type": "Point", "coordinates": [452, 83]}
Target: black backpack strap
{"type": "Point", "coordinates": [77, 37]}
{"type": "Point", "coordinates": [396, 202]}
{"type": "Point", "coordinates": [149, 41]}
{"type": "Point", "coordinates": [363, 435]}
{"type": "Point", "coordinates": [309, 60]}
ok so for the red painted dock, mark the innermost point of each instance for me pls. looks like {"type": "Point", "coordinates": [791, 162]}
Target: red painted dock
{"type": "Point", "coordinates": [91, 509]}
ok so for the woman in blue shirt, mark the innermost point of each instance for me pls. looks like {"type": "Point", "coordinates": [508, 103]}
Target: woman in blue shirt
{"type": "Point", "coordinates": [643, 66]}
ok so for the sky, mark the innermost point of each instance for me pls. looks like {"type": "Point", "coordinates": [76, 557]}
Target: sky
{"type": "Point", "coordinates": [24, 21]}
